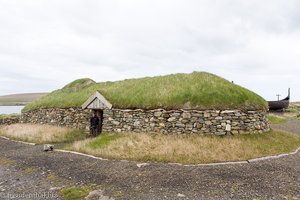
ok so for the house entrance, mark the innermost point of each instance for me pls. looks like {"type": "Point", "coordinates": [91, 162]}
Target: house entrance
{"type": "Point", "coordinates": [97, 103]}
{"type": "Point", "coordinates": [96, 122]}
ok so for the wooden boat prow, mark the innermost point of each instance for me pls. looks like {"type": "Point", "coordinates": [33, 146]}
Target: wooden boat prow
{"type": "Point", "coordinates": [280, 105]}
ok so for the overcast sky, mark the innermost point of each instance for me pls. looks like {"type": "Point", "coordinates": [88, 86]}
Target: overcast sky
{"type": "Point", "coordinates": [45, 44]}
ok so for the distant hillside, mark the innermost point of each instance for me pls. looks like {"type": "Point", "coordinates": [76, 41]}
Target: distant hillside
{"type": "Point", "coordinates": [20, 99]}
{"type": "Point", "coordinates": [198, 90]}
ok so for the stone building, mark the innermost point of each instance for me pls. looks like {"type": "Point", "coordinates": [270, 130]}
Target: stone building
{"type": "Point", "coordinates": [180, 121]}
{"type": "Point", "coordinates": [185, 119]}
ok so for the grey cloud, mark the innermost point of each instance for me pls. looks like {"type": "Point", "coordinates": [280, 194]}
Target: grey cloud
{"type": "Point", "coordinates": [46, 44]}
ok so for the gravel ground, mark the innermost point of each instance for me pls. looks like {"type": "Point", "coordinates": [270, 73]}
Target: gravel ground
{"type": "Point", "coordinates": [291, 125]}
{"type": "Point", "coordinates": [26, 184]}
{"type": "Point", "coordinates": [268, 179]}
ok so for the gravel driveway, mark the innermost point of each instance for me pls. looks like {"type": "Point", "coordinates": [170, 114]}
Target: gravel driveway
{"type": "Point", "coordinates": [268, 179]}
{"type": "Point", "coordinates": [291, 126]}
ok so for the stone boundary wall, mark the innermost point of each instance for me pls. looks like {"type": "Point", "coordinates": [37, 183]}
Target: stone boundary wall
{"type": "Point", "coordinates": [164, 121]}
{"type": "Point", "coordinates": [70, 117]}
{"type": "Point", "coordinates": [10, 120]}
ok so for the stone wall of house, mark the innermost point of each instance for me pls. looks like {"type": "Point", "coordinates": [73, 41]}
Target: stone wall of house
{"type": "Point", "coordinates": [10, 120]}
{"type": "Point", "coordinates": [164, 121]}
{"type": "Point", "coordinates": [70, 117]}
{"type": "Point", "coordinates": [185, 121]}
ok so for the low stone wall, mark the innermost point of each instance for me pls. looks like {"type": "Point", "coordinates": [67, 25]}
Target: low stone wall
{"type": "Point", "coordinates": [185, 121]}
{"type": "Point", "coordinates": [70, 117]}
{"type": "Point", "coordinates": [164, 121]}
{"type": "Point", "coordinates": [10, 120]}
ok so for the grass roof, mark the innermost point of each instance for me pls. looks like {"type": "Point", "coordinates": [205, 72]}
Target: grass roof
{"type": "Point", "coordinates": [198, 90]}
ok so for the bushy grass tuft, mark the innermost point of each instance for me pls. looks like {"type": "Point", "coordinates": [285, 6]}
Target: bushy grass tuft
{"type": "Point", "coordinates": [75, 192]}
{"type": "Point", "coordinates": [198, 90]}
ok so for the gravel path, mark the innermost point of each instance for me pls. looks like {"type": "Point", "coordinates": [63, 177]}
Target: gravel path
{"type": "Point", "coordinates": [268, 179]}
{"type": "Point", "coordinates": [26, 184]}
{"type": "Point", "coordinates": [291, 125]}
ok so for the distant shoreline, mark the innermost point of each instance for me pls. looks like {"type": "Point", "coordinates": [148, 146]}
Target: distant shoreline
{"type": "Point", "coordinates": [19, 99]}
{"type": "Point", "coordinates": [13, 104]}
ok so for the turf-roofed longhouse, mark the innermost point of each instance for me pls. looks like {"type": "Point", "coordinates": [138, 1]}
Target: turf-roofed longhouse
{"type": "Point", "coordinates": [179, 103]}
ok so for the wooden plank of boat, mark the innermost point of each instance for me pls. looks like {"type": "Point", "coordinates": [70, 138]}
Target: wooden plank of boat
{"type": "Point", "coordinates": [280, 104]}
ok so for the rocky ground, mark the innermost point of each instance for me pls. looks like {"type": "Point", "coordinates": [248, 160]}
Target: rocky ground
{"type": "Point", "coordinates": [27, 169]}
{"type": "Point", "coordinates": [26, 183]}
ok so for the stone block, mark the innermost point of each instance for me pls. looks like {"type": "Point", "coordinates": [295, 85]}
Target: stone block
{"type": "Point", "coordinates": [206, 114]}
{"type": "Point", "coordinates": [220, 133]}
{"type": "Point", "coordinates": [186, 115]}
{"type": "Point", "coordinates": [228, 127]}
{"type": "Point", "coordinates": [208, 123]}
{"type": "Point", "coordinates": [180, 125]}
{"type": "Point", "coordinates": [136, 123]}
{"type": "Point", "coordinates": [157, 114]}
{"type": "Point", "coordinates": [162, 125]}
{"type": "Point", "coordinates": [115, 123]}
{"type": "Point", "coordinates": [184, 121]}
{"type": "Point", "coordinates": [165, 115]}
{"type": "Point", "coordinates": [176, 114]}
{"type": "Point", "coordinates": [171, 119]}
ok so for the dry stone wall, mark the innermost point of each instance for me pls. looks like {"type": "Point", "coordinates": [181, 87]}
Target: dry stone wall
{"type": "Point", "coordinates": [9, 120]}
{"type": "Point", "coordinates": [186, 121]}
{"type": "Point", "coordinates": [164, 121]}
{"type": "Point", "coordinates": [70, 117]}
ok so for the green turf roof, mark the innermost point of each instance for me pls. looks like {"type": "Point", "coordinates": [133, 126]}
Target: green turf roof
{"type": "Point", "coordinates": [198, 90]}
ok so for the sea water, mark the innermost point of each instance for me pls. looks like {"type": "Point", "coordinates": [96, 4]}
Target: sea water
{"type": "Point", "coordinates": [10, 109]}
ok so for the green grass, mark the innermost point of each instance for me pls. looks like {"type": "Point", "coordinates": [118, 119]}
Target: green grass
{"type": "Point", "coordinates": [187, 149]}
{"type": "Point", "coordinates": [198, 90]}
{"type": "Point", "coordinates": [103, 140]}
{"type": "Point", "coordinates": [8, 115]}
{"type": "Point", "coordinates": [276, 120]}
{"type": "Point", "coordinates": [75, 192]}
{"type": "Point", "coordinates": [73, 135]}
{"type": "Point", "coordinates": [78, 85]}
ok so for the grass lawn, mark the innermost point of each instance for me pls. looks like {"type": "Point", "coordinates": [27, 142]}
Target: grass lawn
{"type": "Point", "coordinates": [187, 149]}
{"type": "Point", "coordinates": [41, 133]}
{"type": "Point", "coordinates": [8, 115]}
{"type": "Point", "coordinates": [276, 120]}
{"type": "Point", "coordinates": [199, 90]}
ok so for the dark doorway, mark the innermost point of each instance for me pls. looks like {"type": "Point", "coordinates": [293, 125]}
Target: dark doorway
{"type": "Point", "coordinates": [99, 114]}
